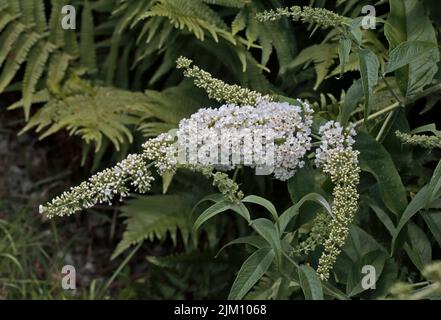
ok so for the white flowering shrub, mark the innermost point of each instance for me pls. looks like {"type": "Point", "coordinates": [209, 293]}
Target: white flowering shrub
{"type": "Point", "coordinates": [291, 133]}
{"type": "Point", "coordinates": [215, 132]}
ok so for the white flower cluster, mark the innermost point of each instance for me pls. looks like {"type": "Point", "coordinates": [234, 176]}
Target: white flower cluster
{"type": "Point", "coordinates": [274, 134]}
{"type": "Point", "coordinates": [102, 187]}
{"type": "Point", "coordinates": [162, 150]}
{"type": "Point", "coordinates": [335, 138]}
{"type": "Point", "coordinates": [340, 161]}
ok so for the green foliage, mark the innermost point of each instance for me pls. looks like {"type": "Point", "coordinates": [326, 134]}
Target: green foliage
{"type": "Point", "coordinates": [28, 37]}
{"type": "Point", "coordinates": [153, 217]}
{"type": "Point", "coordinates": [408, 22]}
{"type": "Point", "coordinates": [105, 112]}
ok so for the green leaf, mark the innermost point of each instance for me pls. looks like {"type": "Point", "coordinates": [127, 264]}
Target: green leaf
{"type": "Point", "coordinates": [435, 183]}
{"type": "Point", "coordinates": [352, 98]}
{"type": "Point", "coordinates": [256, 241]}
{"type": "Point", "coordinates": [262, 202]}
{"type": "Point", "coordinates": [418, 247]}
{"type": "Point", "coordinates": [267, 230]}
{"type": "Point", "coordinates": [407, 21]}
{"type": "Point", "coordinates": [167, 178]}
{"type": "Point", "coordinates": [427, 128]}
{"type": "Point", "coordinates": [381, 214]}
{"type": "Point", "coordinates": [359, 243]}
{"type": "Point", "coordinates": [355, 30]}
{"type": "Point", "coordinates": [334, 292]}
{"type": "Point", "coordinates": [420, 201]}
{"type": "Point", "coordinates": [251, 271]}
{"type": "Point", "coordinates": [417, 203]}
{"type": "Point", "coordinates": [369, 66]}
{"type": "Point", "coordinates": [433, 221]}
{"type": "Point", "coordinates": [291, 212]}
{"type": "Point", "coordinates": [343, 52]}
{"type": "Point", "coordinates": [408, 52]}
{"type": "Point", "coordinates": [240, 209]}
{"type": "Point", "coordinates": [212, 211]}
{"type": "Point", "coordinates": [375, 258]}
{"type": "Point", "coordinates": [306, 180]}
{"type": "Point", "coordinates": [310, 283]}
{"type": "Point", "coordinates": [375, 159]}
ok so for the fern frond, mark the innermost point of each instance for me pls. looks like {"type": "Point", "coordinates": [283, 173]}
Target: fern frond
{"type": "Point", "coordinates": [154, 217]}
{"type": "Point", "coordinates": [87, 38]}
{"type": "Point", "coordinates": [56, 33]}
{"type": "Point", "coordinates": [131, 12]}
{"type": "Point", "coordinates": [229, 3]}
{"type": "Point", "coordinates": [39, 97]}
{"type": "Point", "coordinates": [40, 17]}
{"type": "Point", "coordinates": [153, 129]}
{"type": "Point", "coordinates": [3, 5]}
{"type": "Point", "coordinates": [8, 39]}
{"type": "Point", "coordinates": [322, 55]}
{"type": "Point", "coordinates": [57, 70]}
{"type": "Point", "coordinates": [14, 7]}
{"type": "Point", "coordinates": [7, 18]}
{"type": "Point", "coordinates": [21, 51]}
{"type": "Point", "coordinates": [164, 107]}
{"type": "Point", "coordinates": [270, 35]}
{"type": "Point", "coordinates": [34, 70]}
{"type": "Point", "coordinates": [351, 65]}
{"type": "Point", "coordinates": [28, 38]}
{"type": "Point", "coordinates": [27, 9]}
{"type": "Point", "coordinates": [106, 112]}
{"type": "Point", "coordinates": [194, 15]}
{"type": "Point", "coordinates": [71, 46]}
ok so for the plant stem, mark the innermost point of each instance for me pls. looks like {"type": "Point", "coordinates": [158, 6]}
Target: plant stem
{"type": "Point", "coordinates": [103, 290]}
{"type": "Point", "coordinates": [425, 93]}
{"type": "Point", "coordinates": [384, 126]}
{"type": "Point", "coordinates": [395, 105]}
{"type": "Point", "coordinates": [392, 91]}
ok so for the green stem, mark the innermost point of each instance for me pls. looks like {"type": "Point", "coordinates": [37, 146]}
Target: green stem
{"type": "Point", "coordinates": [392, 91]}
{"type": "Point", "coordinates": [384, 126]}
{"type": "Point", "coordinates": [393, 106]}
{"type": "Point", "coordinates": [434, 89]}
{"type": "Point", "coordinates": [117, 271]}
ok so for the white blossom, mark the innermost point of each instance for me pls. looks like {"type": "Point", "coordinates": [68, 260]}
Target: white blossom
{"type": "Point", "coordinates": [220, 131]}
{"type": "Point", "coordinates": [337, 158]}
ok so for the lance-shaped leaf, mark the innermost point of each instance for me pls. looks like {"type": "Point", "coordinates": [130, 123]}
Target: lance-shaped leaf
{"type": "Point", "coordinates": [251, 271]}
{"type": "Point", "coordinates": [369, 66]}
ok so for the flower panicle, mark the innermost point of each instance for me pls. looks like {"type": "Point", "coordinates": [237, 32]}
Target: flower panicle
{"type": "Point", "coordinates": [102, 187]}
{"type": "Point", "coordinates": [319, 17]}
{"type": "Point", "coordinates": [217, 89]}
{"type": "Point", "coordinates": [339, 160]}
{"type": "Point", "coordinates": [425, 141]}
